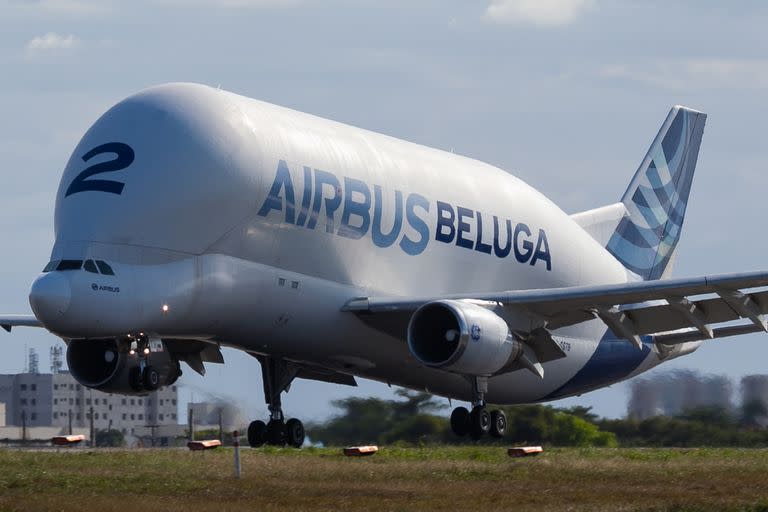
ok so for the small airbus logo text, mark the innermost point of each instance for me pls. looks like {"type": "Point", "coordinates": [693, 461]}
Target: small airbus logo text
{"type": "Point", "coordinates": [102, 288]}
{"type": "Point", "coordinates": [363, 211]}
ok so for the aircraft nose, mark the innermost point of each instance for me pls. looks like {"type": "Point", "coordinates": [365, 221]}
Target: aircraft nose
{"type": "Point", "coordinates": [50, 296]}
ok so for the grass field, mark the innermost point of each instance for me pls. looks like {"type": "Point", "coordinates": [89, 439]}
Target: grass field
{"type": "Point", "coordinates": [445, 478]}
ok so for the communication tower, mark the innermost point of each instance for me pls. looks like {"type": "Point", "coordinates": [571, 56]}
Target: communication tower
{"type": "Point", "coordinates": [56, 359]}
{"type": "Point", "coordinates": [34, 362]}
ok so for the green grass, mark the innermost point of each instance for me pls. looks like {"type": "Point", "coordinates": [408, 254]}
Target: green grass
{"type": "Point", "coordinates": [442, 478]}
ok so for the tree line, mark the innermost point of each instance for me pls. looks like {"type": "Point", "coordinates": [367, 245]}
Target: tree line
{"type": "Point", "coordinates": [414, 419]}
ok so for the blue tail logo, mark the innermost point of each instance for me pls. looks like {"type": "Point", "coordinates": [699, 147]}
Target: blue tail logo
{"type": "Point", "coordinates": [645, 239]}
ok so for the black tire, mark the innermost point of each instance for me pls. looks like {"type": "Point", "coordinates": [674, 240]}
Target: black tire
{"type": "Point", "coordinates": [479, 422]}
{"type": "Point", "coordinates": [257, 431]}
{"type": "Point", "coordinates": [275, 433]}
{"type": "Point", "coordinates": [294, 433]}
{"type": "Point", "coordinates": [460, 421]}
{"type": "Point", "coordinates": [134, 379]}
{"type": "Point", "coordinates": [151, 378]}
{"type": "Point", "coordinates": [498, 424]}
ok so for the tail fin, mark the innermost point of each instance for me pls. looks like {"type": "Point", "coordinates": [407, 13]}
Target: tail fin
{"type": "Point", "coordinates": [645, 239]}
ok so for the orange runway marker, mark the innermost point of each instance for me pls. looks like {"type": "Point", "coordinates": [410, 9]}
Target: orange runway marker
{"type": "Point", "coordinates": [67, 440]}
{"type": "Point", "coordinates": [203, 445]}
{"type": "Point", "coordinates": [360, 451]}
{"type": "Point", "coordinates": [524, 451]}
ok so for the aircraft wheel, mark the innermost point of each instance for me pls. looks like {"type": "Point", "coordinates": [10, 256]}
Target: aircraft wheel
{"type": "Point", "coordinates": [275, 433]}
{"type": "Point", "coordinates": [498, 423]}
{"type": "Point", "coordinates": [460, 421]}
{"type": "Point", "coordinates": [479, 422]}
{"type": "Point", "coordinates": [257, 433]}
{"type": "Point", "coordinates": [134, 379]}
{"type": "Point", "coordinates": [294, 433]}
{"type": "Point", "coordinates": [151, 378]}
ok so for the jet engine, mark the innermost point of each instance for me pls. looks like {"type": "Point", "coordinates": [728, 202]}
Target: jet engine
{"type": "Point", "coordinates": [461, 337]}
{"type": "Point", "coordinates": [113, 365]}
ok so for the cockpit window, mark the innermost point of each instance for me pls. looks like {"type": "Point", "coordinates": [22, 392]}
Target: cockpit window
{"type": "Point", "coordinates": [94, 267]}
{"type": "Point", "coordinates": [69, 265]}
{"type": "Point", "coordinates": [104, 268]}
{"type": "Point", "coordinates": [51, 266]}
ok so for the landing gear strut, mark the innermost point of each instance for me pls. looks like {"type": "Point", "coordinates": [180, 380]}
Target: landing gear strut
{"type": "Point", "coordinates": [277, 375]}
{"type": "Point", "coordinates": [144, 377]}
{"type": "Point", "coordinates": [479, 421]}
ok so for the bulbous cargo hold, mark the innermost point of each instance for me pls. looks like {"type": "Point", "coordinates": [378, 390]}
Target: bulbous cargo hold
{"type": "Point", "coordinates": [152, 163]}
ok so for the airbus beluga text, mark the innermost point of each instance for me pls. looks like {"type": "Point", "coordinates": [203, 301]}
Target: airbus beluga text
{"type": "Point", "coordinates": [189, 218]}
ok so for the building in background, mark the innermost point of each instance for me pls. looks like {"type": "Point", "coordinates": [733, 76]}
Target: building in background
{"type": "Point", "coordinates": [670, 394]}
{"type": "Point", "coordinates": [58, 400]}
{"type": "Point", "coordinates": [754, 400]}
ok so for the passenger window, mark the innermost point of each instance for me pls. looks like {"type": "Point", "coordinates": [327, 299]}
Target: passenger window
{"type": "Point", "coordinates": [51, 266]}
{"type": "Point", "coordinates": [104, 268]}
{"type": "Point", "coordinates": [90, 266]}
{"type": "Point", "coordinates": [69, 265]}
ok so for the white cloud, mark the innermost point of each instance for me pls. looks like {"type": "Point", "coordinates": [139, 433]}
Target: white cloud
{"type": "Point", "coordinates": [700, 73]}
{"type": "Point", "coordinates": [536, 12]}
{"type": "Point", "coordinates": [52, 42]}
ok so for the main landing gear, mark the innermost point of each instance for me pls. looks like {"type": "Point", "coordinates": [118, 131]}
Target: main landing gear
{"type": "Point", "coordinates": [478, 422]}
{"type": "Point", "coordinates": [277, 376]}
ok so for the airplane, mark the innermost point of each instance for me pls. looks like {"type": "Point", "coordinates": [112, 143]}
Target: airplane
{"type": "Point", "coordinates": [189, 218]}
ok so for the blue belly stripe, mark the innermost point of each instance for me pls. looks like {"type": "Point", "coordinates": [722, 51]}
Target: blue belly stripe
{"type": "Point", "coordinates": [613, 360]}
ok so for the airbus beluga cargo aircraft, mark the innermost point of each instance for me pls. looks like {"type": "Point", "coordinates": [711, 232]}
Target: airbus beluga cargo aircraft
{"type": "Point", "coordinates": [190, 218]}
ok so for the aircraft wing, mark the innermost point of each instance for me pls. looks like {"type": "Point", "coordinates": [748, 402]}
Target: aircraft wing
{"type": "Point", "coordinates": [9, 321]}
{"type": "Point", "coordinates": [672, 311]}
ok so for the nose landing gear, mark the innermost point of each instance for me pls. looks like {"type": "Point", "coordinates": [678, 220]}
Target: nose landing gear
{"type": "Point", "coordinates": [146, 377]}
{"type": "Point", "coordinates": [143, 377]}
{"type": "Point", "coordinates": [277, 375]}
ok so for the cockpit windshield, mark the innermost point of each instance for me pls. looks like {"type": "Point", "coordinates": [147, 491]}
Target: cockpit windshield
{"type": "Point", "coordinates": [92, 266]}
{"type": "Point", "coordinates": [69, 265]}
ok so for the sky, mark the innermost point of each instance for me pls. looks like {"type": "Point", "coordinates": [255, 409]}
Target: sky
{"type": "Point", "coordinates": [565, 94]}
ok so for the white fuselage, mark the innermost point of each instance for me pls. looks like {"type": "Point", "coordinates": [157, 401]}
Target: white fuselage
{"type": "Point", "coordinates": [252, 225]}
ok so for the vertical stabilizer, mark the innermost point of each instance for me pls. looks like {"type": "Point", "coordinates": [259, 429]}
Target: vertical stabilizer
{"type": "Point", "coordinates": [645, 239]}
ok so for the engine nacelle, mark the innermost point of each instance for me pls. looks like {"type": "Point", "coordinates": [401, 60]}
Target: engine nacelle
{"type": "Point", "coordinates": [461, 337]}
{"type": "Point", "coordinates": [107, 365]}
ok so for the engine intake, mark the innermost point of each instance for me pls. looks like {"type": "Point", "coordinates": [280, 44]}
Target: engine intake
{"type": "Point", "coordinates": [461, 337]}
{"type": "Point", "coordinates": [107, 365]}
